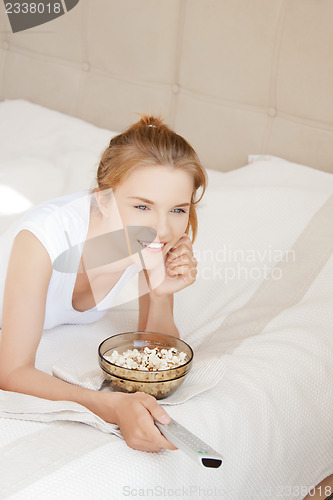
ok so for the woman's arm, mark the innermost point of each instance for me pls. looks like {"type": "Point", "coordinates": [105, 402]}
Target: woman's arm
{"type": "Point", "coordinates": [156, 306]}
{"type": "Point", "coordinates": [28, 275]}
{"type": "Point", "coordinates": [156, 314]}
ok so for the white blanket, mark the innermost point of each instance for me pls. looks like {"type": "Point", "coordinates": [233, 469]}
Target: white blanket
{"type": "Point", "coordinates": [262, 302]}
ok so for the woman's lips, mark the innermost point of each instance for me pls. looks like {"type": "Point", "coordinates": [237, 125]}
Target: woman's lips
{"type": "Point", "coordinates": [153, 246]}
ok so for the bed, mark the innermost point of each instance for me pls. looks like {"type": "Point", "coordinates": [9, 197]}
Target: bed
{"type": "Point", "coordinates": [249, 84]}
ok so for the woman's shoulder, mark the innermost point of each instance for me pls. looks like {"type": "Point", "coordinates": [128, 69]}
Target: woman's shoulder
{"type": "Point", "coordinates": [55, 221]}
{"type": "Point", "coordinates": [53, 209]}
{"type": "Point", "coordinates": [58, 203]}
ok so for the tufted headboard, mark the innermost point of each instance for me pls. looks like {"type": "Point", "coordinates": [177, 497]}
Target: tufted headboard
{"type": "Point", "coordinates": [235, 77]}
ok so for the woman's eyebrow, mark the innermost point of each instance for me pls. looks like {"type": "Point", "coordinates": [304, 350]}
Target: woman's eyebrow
{"type": "Point", "coordinates": [152, 203]}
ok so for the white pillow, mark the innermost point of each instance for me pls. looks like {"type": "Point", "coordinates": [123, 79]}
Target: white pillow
{"type": "Point", "coordinates": [44, 154]}
{"type": "Point", "coordinates": [248, 220]}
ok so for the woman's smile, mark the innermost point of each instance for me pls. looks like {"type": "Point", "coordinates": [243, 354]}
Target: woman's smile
{"type": "Point", "coordinates": [152, 246]}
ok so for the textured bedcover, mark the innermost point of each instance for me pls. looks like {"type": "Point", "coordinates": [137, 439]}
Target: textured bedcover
{"type": "Point", "coordinates": [271, 413]}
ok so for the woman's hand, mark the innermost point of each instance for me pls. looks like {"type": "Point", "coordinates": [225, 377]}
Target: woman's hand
{"type": "Point", "coordinates": [177, 271]}
{"type": "Point", "coordinates": [180, 268]}
{"type": "Point", "coordinates": [134, 414]}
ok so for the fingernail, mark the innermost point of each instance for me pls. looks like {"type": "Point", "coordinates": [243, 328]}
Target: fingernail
{"type": "Point", "coordinates": [165, 419]}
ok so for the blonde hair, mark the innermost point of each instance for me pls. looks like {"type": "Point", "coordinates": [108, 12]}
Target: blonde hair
{"type": "Point", "coordinates": [151, 142]}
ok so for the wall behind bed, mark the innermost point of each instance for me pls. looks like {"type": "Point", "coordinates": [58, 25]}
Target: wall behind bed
{"type": "Point", "coordinates": [233, 76]}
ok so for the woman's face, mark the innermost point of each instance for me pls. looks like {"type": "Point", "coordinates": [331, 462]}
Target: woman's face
{"type": "Point", "coordinates": [156, 197]}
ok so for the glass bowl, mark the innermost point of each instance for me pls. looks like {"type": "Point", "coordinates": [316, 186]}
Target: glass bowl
{"type": "Point", "coordinates": [158, 383]}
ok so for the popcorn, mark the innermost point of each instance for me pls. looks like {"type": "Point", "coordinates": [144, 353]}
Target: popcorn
{"type": "Point", "coordinates": [149, 359]}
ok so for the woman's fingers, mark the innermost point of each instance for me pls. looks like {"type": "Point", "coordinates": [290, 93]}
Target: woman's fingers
{"type": "Point", "coordinates": [184, 264]}
{"type": "Point", "coordinates": [184, 259]}
{"type": "Point", "coordinates": [158, 413]}
{"type": "Point", "coordinates": [180, 249]}
{"type": "Point", "coordinates": [136, 413]}
{"type": "Point", "coordinates": [180, 268]}
{"type": "Point", "coordinates": [184, 271]}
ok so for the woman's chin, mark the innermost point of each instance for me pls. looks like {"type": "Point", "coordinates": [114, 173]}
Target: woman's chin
{"type": "Point", "coordinates": [149, 260]}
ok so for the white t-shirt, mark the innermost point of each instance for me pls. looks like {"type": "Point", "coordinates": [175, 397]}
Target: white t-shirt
{"type": "Point", "coordinates": [58, 224]}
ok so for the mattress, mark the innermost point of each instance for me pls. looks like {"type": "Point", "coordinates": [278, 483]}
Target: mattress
{"type": "Point", "coordinates": [261, 306]}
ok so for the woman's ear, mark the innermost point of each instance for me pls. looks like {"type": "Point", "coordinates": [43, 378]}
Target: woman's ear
{"type": "Point", "coordinates": [103, 200]}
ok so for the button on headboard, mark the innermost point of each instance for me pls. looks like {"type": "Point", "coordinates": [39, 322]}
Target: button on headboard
{"type": "Point", "coordinates": [235, 77]}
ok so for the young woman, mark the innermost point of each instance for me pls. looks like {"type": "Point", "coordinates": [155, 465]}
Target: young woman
{"type": "Point", "coordinates": [64, 262]}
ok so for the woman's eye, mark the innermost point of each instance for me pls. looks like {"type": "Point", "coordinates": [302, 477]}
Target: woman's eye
{"type": "Point", "coordinates": [175, 210]}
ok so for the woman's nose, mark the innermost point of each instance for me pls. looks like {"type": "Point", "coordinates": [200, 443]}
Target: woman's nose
{"type": "Point", "coordinates": [163, 228]}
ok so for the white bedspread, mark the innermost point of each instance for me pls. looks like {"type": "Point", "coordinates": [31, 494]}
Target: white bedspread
{"type": "Point", "coordinates": [262, 304]}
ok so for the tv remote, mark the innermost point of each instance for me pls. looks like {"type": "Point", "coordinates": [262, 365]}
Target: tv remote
{"type": "Point", "coordinates": [190, 444]}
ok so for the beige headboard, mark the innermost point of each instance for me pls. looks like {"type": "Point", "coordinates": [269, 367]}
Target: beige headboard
{"type": "Point", "coordinates": [233, 76]}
